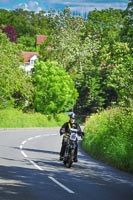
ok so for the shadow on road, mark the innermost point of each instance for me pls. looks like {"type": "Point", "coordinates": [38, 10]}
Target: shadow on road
{"type": "Point", "coordinates": [38, 150]}
{"type": "Point", "coordinates": [20, 182]}
{"type": "Point", "coordinates": [16, 182]}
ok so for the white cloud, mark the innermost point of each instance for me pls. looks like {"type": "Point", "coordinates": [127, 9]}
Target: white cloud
{"type": "Point", "coordinates": [86, 7]}
{"type": "Point", "coordinates": [23, 6]}
{"type": "Point", "coordinates": [34, 5]}
{"type": "Point", "coordinates": [31, 6]}
{"type": "Point", "coordinates": [81, 6]}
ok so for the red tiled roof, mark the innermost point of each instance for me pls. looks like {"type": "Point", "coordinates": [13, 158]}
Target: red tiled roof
{"type": "Point", "coordinates": [40, 39]}
{"type": "Point", "coordinates": [28, 55]}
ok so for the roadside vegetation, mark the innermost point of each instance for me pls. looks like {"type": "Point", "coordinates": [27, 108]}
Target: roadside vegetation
{"type": "Point", "coordinates": [109, 137]}
{"type": "Point", "coordinates": [12, 118]}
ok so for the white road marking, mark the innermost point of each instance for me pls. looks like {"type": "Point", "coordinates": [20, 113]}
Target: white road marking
{"type": "Point", "coordinates": [38, 136]}
{"type": "Point", "coordinates": [29, 139]}
{"type": "Point", "coordinates": [23, 142]}
{"type": "Point", "coordinates": [61, 185]}
{"type": "Point", "coordinates": [24, 154]}
{"type": "Point", "coordinates": [37, 166]}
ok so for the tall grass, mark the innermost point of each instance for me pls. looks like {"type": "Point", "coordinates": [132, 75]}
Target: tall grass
{"type": "Point", "coordinates": [109, 137]}
{"type": "Point", "coordinates": [13, 118]}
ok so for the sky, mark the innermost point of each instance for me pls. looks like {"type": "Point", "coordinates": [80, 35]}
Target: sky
{"type": "Point", "coordinates": [81, 6]}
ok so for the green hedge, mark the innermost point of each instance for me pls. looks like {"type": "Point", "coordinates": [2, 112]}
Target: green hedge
{"type": "Point", "coordinates": [109, 137]}
{"type": "Point", "coordinates": [13, 118]}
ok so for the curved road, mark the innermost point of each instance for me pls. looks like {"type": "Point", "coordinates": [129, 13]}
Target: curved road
{"type": "Point", "coordinates": [30, 169]}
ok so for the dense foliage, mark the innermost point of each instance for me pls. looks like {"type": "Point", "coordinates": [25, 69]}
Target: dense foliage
{"type": "Point", "coordinates": [54, 89]}
{"type": "Point", "coordinates": [96, 52]}
{"type": "Point", "coordinates": [15, 85]}
{"type": "Point", "coordinates": [109, 137]}
{"type": "Point", "coordinates": [12, 118]}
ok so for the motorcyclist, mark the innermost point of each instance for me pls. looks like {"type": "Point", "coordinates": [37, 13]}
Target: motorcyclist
{"type": "Point", "coordinates": [66, 129]}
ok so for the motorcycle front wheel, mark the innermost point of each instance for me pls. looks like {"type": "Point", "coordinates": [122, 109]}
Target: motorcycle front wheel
{"type": "Point", "coordinates": [68, 162]}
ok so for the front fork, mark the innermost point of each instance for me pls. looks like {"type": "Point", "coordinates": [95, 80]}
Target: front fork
{"type": "Point", "coordinates": [69, 152]}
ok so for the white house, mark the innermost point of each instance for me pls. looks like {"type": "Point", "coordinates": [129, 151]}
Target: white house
{"type": "Point", "coordinates": [30, 57]}
{"type": "Point", "coordinates": [29, 60]}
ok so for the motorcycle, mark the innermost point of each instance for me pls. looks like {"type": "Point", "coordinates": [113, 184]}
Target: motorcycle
{"type": "Point", "coordinates": [70, 140]}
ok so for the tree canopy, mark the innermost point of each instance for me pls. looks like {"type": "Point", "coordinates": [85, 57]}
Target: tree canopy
{"type": "Point", "coordinates": [15, 84]}
{"type": "Point", "coordinates": [96, 53]}
{"type": "Point", "coordinates": [54, 88]}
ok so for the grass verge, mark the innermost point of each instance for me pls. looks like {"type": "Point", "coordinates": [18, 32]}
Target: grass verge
{"type": "Point", "coordinates": [13, 118]}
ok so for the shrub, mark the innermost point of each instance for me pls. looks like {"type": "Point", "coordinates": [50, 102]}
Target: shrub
{"type": "Point", "coordinates": [13, 118]}
{"type": "Point", "coordinates": [109, 137]}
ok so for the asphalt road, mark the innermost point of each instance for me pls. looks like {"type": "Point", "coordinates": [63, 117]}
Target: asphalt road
{"type": "Point", "coordinates": [30, 169]}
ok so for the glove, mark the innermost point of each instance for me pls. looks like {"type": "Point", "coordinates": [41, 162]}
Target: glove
{"type": "Point", "coordinates": [62, 131]}
{"type": "Point", "coordinates": [81, 134]}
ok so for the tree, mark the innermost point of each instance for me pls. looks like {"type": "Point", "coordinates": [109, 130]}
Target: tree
{"type": "Point", "coordinates": [120, 77]}
{"type": "Point", "coordinates": [11, 33]}
{"type": "Point", "coordinates": [76, 51]}
{"type": "Point", "coordinates": [29, 43]}
{"type": "Point", "coordinates": [4, 17]}
{"type": "Point", "coordinates": [54, 89]}
{"type": "Point", "coordinates": [15, 85]}
{"type": "Point", "coordinates": [66, 38]}
{"type": "Point", "coordinates": [127, 30]}
{"type": "Point", "coordinates": [105, 25]}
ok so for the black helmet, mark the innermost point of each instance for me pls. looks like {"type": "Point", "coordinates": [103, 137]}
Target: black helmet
{"type": "Point", "coordinates": [72, 115]}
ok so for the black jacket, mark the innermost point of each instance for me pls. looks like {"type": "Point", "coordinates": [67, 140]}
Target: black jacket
{"type": "Point", "coordinates": [66, 128]}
